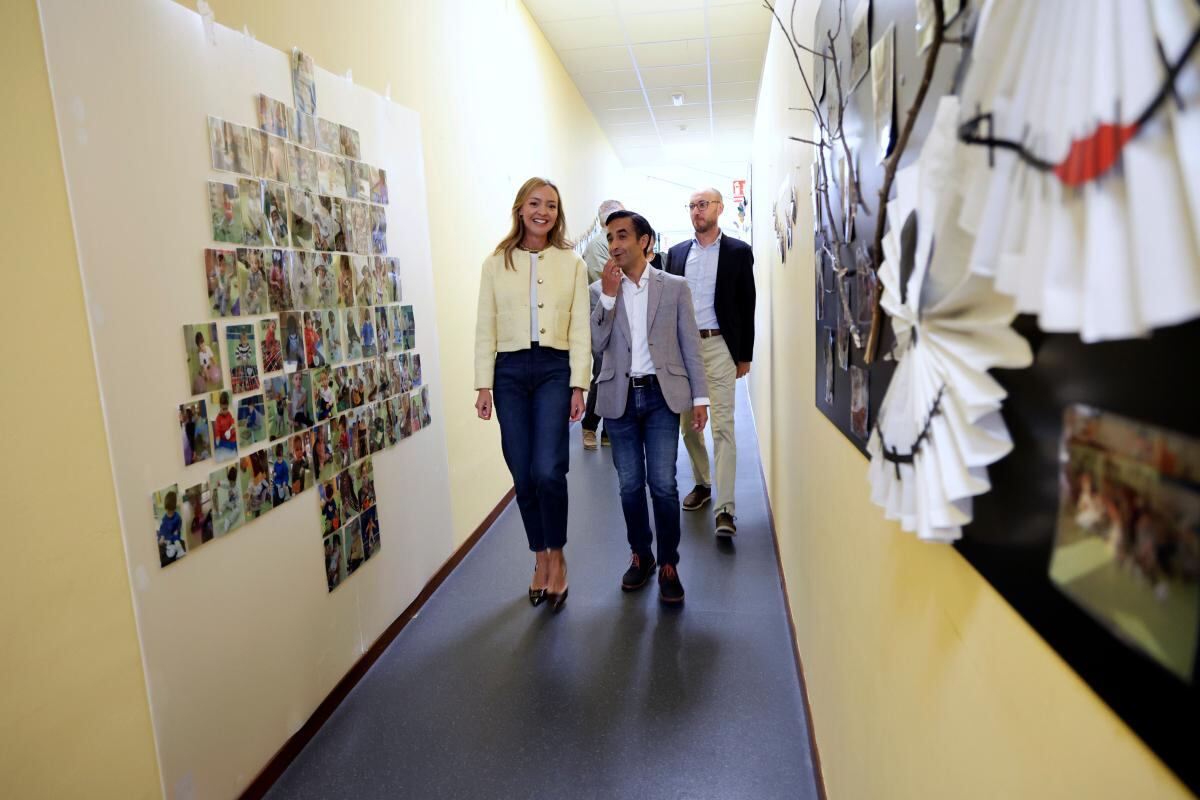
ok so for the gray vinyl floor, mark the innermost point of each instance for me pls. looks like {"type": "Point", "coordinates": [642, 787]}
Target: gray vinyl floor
{"type": "Point", "coordinates": [484, 696]}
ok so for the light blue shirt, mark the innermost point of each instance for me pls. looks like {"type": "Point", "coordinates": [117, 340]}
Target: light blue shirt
{"type": "Point", "coordinates": [701, 273]}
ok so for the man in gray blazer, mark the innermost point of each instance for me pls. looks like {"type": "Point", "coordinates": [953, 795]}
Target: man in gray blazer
{"type": "Point", "coordinates": [645, 328]}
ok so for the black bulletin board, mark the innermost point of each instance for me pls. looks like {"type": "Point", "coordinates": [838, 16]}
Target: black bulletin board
{"type": "Point", "coordinates": [1011, 539]}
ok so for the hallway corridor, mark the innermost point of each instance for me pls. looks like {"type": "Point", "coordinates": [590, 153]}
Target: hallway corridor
{"type": "Point", "coordinates": [483, 696]}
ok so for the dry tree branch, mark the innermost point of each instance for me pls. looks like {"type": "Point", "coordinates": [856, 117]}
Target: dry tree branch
{"type": "Point", "coordinates": [910, 121]}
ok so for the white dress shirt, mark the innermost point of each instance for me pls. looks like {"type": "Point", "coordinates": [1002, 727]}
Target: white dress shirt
{"type": "Point", "coordinates": [701, 273]}
{"type": "Point", "coordinates": [636, 296]}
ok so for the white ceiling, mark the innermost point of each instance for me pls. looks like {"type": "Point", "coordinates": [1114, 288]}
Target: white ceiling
{"type": "Point", "coordinates": [629, 56]}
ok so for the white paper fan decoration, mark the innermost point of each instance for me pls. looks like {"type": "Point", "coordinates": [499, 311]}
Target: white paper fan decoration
{"type": "Point", "coordinates": [939, 426]}
{"type": "Point", "coordinates": [1089, 212]}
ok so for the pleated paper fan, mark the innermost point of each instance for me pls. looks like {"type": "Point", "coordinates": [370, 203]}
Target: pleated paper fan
{"type": "Point", "coordinates": [1087, 209]}
{"type": "Point", "coordinates": [939, 425]}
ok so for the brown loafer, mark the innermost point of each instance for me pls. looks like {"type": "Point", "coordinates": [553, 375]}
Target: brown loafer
{"type": "Point", "coordinates": [697, 498]}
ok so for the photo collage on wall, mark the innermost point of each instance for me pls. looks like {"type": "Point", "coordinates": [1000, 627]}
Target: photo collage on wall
{"type": "Point", "coordinates": [322, 366]}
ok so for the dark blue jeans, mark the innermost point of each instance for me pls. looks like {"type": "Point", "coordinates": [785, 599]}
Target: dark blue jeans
{"type": "Point", "coordinates": [645, 442]}
{"type": "Point", "coordinates": [532, 394]}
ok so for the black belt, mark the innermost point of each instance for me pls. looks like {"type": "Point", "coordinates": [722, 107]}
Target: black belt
{"type": "Point", "coordinates": [642, 381]}
{"type": "Point", "coordinates": [707, 332]}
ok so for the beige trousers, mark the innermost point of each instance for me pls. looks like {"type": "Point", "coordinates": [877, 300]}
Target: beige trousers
{"type": "Point", "coordinates": [722, 376]}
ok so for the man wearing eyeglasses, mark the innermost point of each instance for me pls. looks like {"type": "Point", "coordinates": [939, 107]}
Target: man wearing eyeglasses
{"type": "Point", "coordinates": [720, 274]}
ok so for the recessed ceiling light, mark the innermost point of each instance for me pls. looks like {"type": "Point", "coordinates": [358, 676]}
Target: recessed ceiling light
{"type": "Point", "coordinates": [677, 99]}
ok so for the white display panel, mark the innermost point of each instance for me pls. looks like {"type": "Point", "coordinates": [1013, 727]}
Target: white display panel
{"type": "Point", "coordinates": [240, 639]}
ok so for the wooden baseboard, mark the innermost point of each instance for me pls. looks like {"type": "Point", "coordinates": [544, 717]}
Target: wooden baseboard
{"type": "Point", "coordinates": [287, 754]}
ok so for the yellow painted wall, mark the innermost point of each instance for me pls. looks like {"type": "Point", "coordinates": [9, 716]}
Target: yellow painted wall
{"type": "Point", "coordinates": [76, 720]}
{"type": "Point", "coordinates": [924, 683]}
{"type": "Point", "coordinates": [496, 107]}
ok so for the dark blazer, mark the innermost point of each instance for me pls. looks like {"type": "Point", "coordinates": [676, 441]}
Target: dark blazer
{"type": "Point", "coordinates": [734, 296]}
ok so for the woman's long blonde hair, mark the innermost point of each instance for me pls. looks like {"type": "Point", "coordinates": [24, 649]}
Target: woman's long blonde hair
{"type": "Point", "coordinates": [558, 234]}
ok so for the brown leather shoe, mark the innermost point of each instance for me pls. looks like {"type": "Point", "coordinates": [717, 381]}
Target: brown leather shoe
{"type": "Point", "coordinates": [697, 498]}
{"type": "Point", "coordinates": [725, 526]}
{"type": "Point", "coordinates": [589, 440]}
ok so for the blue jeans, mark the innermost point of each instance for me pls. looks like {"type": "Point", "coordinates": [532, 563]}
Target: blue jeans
{"type": "Point", "coordinates": [532, 394]}
{"type": "Point", "coordinates": [645, 441]}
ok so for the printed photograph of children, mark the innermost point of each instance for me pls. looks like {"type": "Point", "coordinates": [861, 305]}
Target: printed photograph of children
{"type": "Point", "coordinates": [404, 409]}
{"type": "Point", "coordinates": [329, 137]}
{"type": "Point", "coordinates": [369, 522]}
{"type": "Point", "coordinates": [339, 434]}
{"type": "Point", "coordinates": [379, 279]}
{"type": "Point", "coordinates": [349, 497]}
{"type": "Point", "coordinates": [370, 379]}
{"type": "Point", "coordinates": [378, 427]}
{"type": "Point", "coordinates": [379, 187]}
{"type": "Point", "coordinates": [364, 484]}
{"type": "Point", "coordinates": [417, 406]}
{"type": "Point", "coordinates": [168, 525]}
{"type": "Point", "coordinates": [276, 211]}
{"type": "Point", "coordinates": [300, 462]}
{"type": "Point", "coordinates": [1127, 544]}
{"type": "Point", "coordinates": [275, 165]}
{"type": "Point", "coordinates": [362, 181]}
{"type": "Point", "coordinates": [324, 463]}
{"type": "Point", "coordinates": [314, 345]}
{"type": "Point", "coordinates": [324, 280]}
{"type": "Point", "coordinates": [345, 279]}
{"type": "Point", "coordinates": [222, 209]}
{"type": "Point", "coordinates": [272, 116]}
{"type": "Point", "coordinates": [367, 332]}
{"type": "Point", "coordinates": [341, 388]}
{"type": "Point", "coordinates": [335, 567]}
{"type": "Point", "coordinates": [349, 138]}
{"type": "Point", "coordinates": [392, 294]}
{"type": "Point", "coordinates": [378, 230]}
{"type": "Point", "coordinates": [269, 345]}
{"type": "Point", "coordinates": [251, 420]}
{"type": "Point", "coordinates": [859, 387]}
{"type": "Point", "coordinates": [395, 382]}
{"type": "Point", "coordinates": [331, 332]}
{"type": "Point", "coordinates": [360, 432]}
{"type": "Point", "coordinates": [414, 370]}
{"type": "Point", "coordinates": [275, 398]}
{"type": "Point", "coordinates": [252, 282]}
{"type": "Point", "coordinates": [302, 218]}
{"type": "Point", "coordinates": [292, 323]}
{"type": "Point", "coordinates": [255, 484]}
{"type": "Point", "coordinates": [330, 233]}
{"type": "Point", "coordinates": [364, 280]}
{"type": "Point", "coordinates": [383, 375]}
{"type": "Point", "coordinates": [228, 509]}
{"type": "Point", "coordinates": [279, 281]}
{"type": "Point", "coordinates": [218, 267]}
{"type": "Point", "coordinates": [410, 327]}
{"type": "Point", "coordinates": [304, 82]}
{"type": "Point", "coordinates": [358, 394]}
{"type": "Point", "coordinates": [250, 208]}
{"type": "Point", "coordinates": [243, 367]}
{"type": "Point", "coordinates": [325, 400]}
{"type": "Point", "coordinates": [197, 516]}
{"type": "Point", "coordinates": [331, 175]}
{"type": "Point", "coordinates": [349, 318]}
{"type": "Point", "coordinates": [219, 146]}
{"type": "Point", "coordinates": [302, 279]}
{"type": "Point", "coordinates": [203, 359]}
{"type": "Point", "coordinates": [426, 408]}
{"type": "Point", "coordinates": [404, 365]}
{"type": "Point", "coordinates": [193, 427]}
{"type": "Point", "coordinates": [304, 130]}
{"type": "Point", "coordinates": [355, 555]}
{"type": "Point", "coordinates": [256, 143]}
{"type": "Point", "coordinates": [281, 480]}
{"type": "Point", "coordinates": [224, 428]}
{"type": "Point", "coordinates": [383, 333]}
{"type": "Point", "coordinates": [331, 507]}
{"type": "Point", "coordinates": [300, 402]}
{"type": "Point", "coordinates": [397, 324]}
{"type": "Point", "coordinates": [239, 140]}
{"type": "Point", "coordinates": [392, 405]}
{"type": "Point", "coordinates": [302, 168]}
